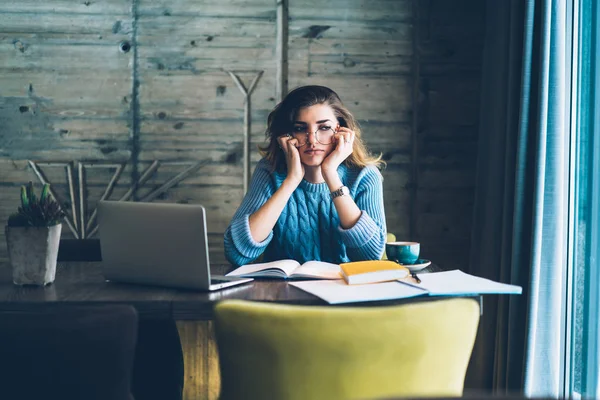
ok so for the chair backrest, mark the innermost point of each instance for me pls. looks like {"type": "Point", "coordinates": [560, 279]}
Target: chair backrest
{"type": "Point", "coordinates": [60, 352]}
{"type": "Point", "coordinates": [301, 352]}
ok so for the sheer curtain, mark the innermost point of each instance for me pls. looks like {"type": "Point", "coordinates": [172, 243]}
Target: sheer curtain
{"type": "Point", "coordinates": [520, 217]}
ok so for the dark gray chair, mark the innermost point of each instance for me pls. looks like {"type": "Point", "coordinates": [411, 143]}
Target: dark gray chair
{"type": "Point", "coordinates": [67, 352]}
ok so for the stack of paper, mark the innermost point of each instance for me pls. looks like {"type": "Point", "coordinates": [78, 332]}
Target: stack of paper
{"type": "Point", "coordinates": [336, 292]}
{"type": "Point", "coordinates": [447, 283]}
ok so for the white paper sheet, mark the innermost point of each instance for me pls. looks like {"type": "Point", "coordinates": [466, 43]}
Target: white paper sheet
{"type": "Point", "coordinates": [338, 292]}
{"type": "Point", "coordinates": [456, 282]}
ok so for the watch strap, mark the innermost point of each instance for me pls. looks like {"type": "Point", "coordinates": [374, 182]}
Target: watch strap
{"type": "Point", "coordinates": [343, 191]}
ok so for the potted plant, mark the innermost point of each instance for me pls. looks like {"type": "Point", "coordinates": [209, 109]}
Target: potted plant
{"type": "Point", "coordinates": [32, 236]}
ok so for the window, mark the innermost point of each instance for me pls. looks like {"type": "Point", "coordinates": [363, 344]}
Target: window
{"type": "Point", "coordinates": [583, 323]}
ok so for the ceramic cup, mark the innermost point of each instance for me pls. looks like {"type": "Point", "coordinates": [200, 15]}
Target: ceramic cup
{"type": "Point", "coordinates": [403, 252]}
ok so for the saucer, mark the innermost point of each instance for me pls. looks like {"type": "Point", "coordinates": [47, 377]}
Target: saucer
{"type": "Point", "coordinates": [418, 265]}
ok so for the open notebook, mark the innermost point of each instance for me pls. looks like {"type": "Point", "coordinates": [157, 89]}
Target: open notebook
{"type": "Point", "coordinates": [289, 269]}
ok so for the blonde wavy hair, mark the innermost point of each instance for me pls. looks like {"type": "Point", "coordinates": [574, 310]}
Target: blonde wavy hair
{"type": "Point", "coordinates": [281, 121]}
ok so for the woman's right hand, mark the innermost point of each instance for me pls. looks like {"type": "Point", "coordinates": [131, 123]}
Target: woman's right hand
{"type": "Point", "coordinates": [263, 220]}
{"type": "Point", "coordinates": [295, 168]}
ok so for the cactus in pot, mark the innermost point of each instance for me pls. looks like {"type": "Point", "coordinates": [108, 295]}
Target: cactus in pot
{"type": "Point", "coordinates": [33, 236]}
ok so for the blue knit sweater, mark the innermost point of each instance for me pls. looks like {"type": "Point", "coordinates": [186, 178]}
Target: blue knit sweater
{"type": "Point", "coordinates": [309, 226]}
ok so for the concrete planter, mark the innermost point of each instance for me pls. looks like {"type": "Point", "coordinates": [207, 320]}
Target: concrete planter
{"type": "Point", "coordinates": [32, 252]}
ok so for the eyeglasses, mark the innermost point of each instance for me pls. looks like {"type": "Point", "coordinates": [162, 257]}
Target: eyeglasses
{"type": "Point", "coordinates": [324, 135]}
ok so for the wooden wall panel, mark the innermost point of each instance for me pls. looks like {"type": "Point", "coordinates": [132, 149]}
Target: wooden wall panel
{"type": "Point", "coordinates": [61, 7]}
{"type": "Point", "coordinates": [103, 26]}
{"type": "Point", "coordinates": [191, 109]}
{"type": "Point", "coordinates": [355, 10]}
{"type": "Point", "coordinates": [450, 42]}
{"type": "Point", "coordinates": [67, 93]}
{"type": "Point", "coordinates": [65, 90]}
{"type": "Point", "coordinates": [244, 9]}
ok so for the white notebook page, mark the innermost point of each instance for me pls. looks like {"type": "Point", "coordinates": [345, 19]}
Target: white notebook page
{"type": "Point", "coordinates": [456, 282]}
{"type": "Point", "coordinates": [286, 265]}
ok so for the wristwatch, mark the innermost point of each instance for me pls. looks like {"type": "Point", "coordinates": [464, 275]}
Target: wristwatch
{"type": "Point", "coordinates": [343, 191]}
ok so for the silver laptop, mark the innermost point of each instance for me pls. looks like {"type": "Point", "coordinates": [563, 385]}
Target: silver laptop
{"type": "Point", "coordinates": [157, 244]}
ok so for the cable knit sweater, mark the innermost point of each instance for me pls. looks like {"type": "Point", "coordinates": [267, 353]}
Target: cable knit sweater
{"type": "Point", "coordinates": [309, 226]}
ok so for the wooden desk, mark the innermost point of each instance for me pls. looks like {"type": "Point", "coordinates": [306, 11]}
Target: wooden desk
{"type": "Point", "coordinates": [83, 283]}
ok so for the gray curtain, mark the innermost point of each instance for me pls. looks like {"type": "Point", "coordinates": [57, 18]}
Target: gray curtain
{"type": "Point", "coordinates": [519, 226]}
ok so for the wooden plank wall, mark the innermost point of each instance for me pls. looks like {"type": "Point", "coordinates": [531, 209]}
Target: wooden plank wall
{"type": "Point", "coordinates": [449, 46]}
{"type": "Point", "coordinates": [65, 92]}
{"type": "Point", "coordinates": [408, 69]}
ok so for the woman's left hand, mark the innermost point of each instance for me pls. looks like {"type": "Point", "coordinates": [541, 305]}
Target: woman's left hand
{"type": "Point", "coordinates": [343, 148]}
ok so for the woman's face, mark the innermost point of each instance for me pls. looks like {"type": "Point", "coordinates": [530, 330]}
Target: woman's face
{"type": "Point", "coordinates": [318, 118]}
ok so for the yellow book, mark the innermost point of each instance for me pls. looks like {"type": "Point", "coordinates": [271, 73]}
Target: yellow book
{"type": "Point", "coordinates": [372, 271]}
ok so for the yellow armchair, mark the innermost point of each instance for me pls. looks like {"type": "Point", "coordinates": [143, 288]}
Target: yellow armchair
{"type": "Point", "coordinates": [275, 351]}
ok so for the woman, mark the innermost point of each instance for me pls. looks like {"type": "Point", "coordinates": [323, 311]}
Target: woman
{"type": "Point", "coordinates": [316, 194]}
